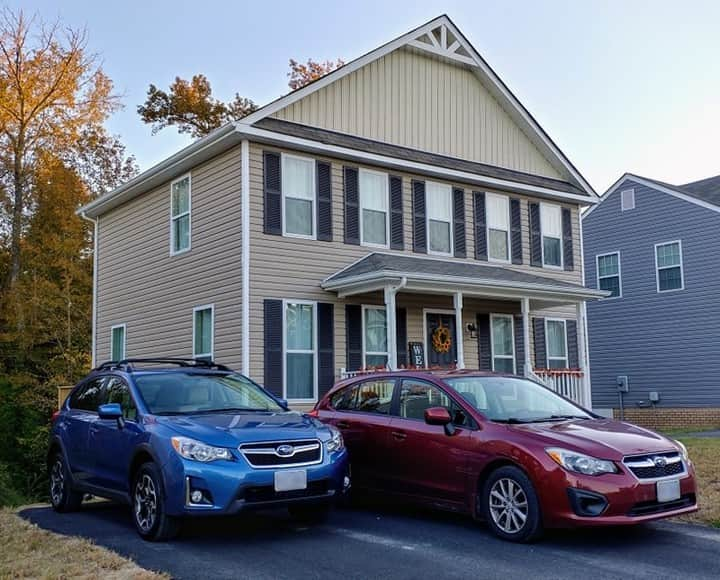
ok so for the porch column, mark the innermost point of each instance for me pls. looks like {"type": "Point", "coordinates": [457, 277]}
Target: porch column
{"type": "Point", "coordinates": [459, 330]}
{"type": "Point", "coordinates": [390, 317]}
{"type": "Point", "coordinates": [525, 309]}
{"type": "Point", "coordinates": [582, 353]}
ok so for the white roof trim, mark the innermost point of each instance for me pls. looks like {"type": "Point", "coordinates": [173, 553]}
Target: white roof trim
{"type": "Point", "coordinates": [653, 185]}
{"type": "Point", "coordinates": [477, 64]}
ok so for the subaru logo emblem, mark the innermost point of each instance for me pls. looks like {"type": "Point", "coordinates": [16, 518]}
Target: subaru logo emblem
{"type": "Point", "coordinates": [659, 461]}
{"type": "Point", "coordinates": [285, 450]}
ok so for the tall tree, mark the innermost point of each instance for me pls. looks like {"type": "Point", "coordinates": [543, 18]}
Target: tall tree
{"type": "Point", "coordinates": [51, 89]}
{"type": "Point", "coordinates": [302, 74]}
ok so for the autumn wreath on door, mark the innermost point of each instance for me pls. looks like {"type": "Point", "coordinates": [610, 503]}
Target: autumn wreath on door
{"type": "Point", "coordinates": [441, 339]}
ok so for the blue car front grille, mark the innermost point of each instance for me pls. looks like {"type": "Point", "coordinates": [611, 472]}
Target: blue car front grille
{"type": "Point", "coordinates": [273, 454]}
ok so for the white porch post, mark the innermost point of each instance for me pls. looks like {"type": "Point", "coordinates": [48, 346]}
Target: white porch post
{"type": "Point", "coordinates": [582, 354]}
{"type": "Point", "coordinates": [459, 331]}
{"type": "Point", "coordinates": [525, 309]}
{"type": "Point", "coordinates": [390, 316]}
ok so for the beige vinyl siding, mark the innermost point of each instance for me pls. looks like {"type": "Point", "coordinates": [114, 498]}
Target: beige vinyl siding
{"type": "Point", "coordinates": [141, 285]}
{"type": "Point", "coordinates": [416, 100]}
{"type": "Point", "coordinates": [287, 268]}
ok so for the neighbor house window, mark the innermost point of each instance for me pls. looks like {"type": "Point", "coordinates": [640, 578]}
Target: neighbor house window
{"type": "Point", "coordinates": [498, 226]}
{"type": "Point", "coordinates": [180, 215]}
{"type": "Point", "coordinates": [300, 351]}
{"type": "Point", "coordinates": [627, 199]}
{"type": "Point", "coordinates": [551, 228]}
{"type": "Point", "coordinates": [117, 342]}
{"type": "Point", "coordinates": [373, 208]}
{"type": "Point", "coordinates": [608, 273]}
{"type": "Point", "coordinates": [439, 216]}
{"type": "Point", "coordinates": [298, 191]}
{"type": "Point", "coordinates": [556, 344]}
{"type": "Point", "coordinates": [375, 345]}
{"type": "Point", "coordinates": [203, 331]}
{"type": "Point", "coordinates": [502, 345]}
{"type": "Point", "coordinates": [668, 263]}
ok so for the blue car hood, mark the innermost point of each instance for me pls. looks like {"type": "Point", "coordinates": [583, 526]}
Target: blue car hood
{"type": "Point", "coordinates": [231, 429]}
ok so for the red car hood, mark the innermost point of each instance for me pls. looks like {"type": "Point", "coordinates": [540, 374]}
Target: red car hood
{"type": "Point", "coordinates": [602, 438]}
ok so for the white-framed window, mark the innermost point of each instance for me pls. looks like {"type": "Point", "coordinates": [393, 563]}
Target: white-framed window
{"type": "Point", "coordinates": [627, 199]}
{"type": "Point", "coordinates": [300, 340]}
{"type": "Point", "coordinates": [374, 212]}
{"type": "Point", "coordinates": [204, 331]}
{"type": "Point", "coordinates": [556, 343]}
{"type": "Point", "coordinates": [375, 339]}
{"type": "Point", "coordinates": [298, 196]}
{"type": "Point", "coordinates": [117, 341]}
{"type": "Point", "coordinates": [180, 215]}
{"type": "Point", "coordinates": [669, 267]}
{"type": "Point", "coordinates": [551, 229]}
{"type": "Point", "coordinates": [608, 273]}
{"type": "Point", "coordinates": [498, 227]}
{"type": "Point", "coordinates": [439, 208]}
{"type": "Point", "coordinates": [502, 343]}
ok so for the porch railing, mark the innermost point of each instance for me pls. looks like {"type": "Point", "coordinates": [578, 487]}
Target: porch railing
{"type": "Point", "coordinates": [566, 382]}
{"type": "Point", "coordinates": [346, 374]}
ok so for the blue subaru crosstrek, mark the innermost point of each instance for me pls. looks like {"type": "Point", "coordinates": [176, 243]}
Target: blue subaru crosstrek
{"type": "Point", "coordinates": [176, 438]}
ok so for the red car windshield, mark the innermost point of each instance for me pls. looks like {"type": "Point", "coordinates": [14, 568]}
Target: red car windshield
{"type": "Point", "coordinates": [514, 400]}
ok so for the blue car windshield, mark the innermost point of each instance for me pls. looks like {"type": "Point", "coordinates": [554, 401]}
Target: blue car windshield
{"type": "Point", "coordinates": [180, 393]}
{"type": "Point", "coordinates": [513, 400]}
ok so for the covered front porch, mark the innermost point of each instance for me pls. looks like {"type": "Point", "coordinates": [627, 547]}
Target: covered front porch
{"type": "Point", "coordinates": [413, 312]}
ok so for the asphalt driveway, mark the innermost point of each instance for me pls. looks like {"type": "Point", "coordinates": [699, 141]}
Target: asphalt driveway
{"type": "Point", "coordinates": [393, 542]}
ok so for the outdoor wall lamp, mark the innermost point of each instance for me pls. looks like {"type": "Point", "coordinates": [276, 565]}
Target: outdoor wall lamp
{"type": "Point", "coordinates": [472, 329]}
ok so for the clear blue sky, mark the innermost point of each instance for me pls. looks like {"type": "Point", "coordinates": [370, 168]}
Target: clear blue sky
{"type": "Point", "coordinates": [620, 85]}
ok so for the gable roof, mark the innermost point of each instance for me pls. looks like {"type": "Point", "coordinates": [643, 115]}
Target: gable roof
{"type": "Point", "coordinates": [707, 189]}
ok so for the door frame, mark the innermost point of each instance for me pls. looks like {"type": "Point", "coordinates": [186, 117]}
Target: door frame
{"type": "Point", "coordinates": [427, 311]}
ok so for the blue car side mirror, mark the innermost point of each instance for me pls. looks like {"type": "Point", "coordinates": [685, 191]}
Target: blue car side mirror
{"type": "Point", "coordinates": [283, 403]}
{"type": "Point", "coordinates": [110, 411]}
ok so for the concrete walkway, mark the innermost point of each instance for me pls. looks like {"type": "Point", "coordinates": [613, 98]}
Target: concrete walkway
{"type": "Point", "coordinates": [715, 433]}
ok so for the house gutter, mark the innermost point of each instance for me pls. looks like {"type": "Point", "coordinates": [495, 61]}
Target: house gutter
{"type": "Point", "coordinates": [93, 351]}
{"type": "Point", "coordinates": [245, 227]}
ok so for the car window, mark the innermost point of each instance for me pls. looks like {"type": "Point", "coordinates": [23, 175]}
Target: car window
{"type": "Point", "coordinates": [416, 396]}
{"type": "Point", "coordinates": [374, 396]}
{"type": "Point", "coordinates": [90, 396]}
{"type": "Point", "coordinates": [118, 392]}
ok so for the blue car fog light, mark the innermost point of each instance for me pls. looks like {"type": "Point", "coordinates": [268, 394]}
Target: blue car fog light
{"type": "Point", "coordinates": [196, 493]}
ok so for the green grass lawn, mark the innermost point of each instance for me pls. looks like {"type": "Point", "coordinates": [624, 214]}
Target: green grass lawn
{"type": "Point", "coordinates": [705, 454]}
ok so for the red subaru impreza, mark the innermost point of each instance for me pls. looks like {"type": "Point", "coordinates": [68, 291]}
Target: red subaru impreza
{"type": "Point", "coordinates": [507, 450]}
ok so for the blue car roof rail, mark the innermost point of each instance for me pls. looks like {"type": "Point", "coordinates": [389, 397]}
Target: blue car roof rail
{"type": "Point", "coordinates": [128, 364]}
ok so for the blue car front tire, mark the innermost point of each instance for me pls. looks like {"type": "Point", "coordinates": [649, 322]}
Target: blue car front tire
{"type": "Point", "coordinates": [148, 503]}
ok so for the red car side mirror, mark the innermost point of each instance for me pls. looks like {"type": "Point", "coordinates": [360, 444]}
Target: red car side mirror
{"type": "Point", "coordinates": [437, 416]}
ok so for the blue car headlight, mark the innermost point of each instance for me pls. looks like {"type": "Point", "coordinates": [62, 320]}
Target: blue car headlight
{"type": "Point", "coordinates": [198, 451]}
{"type": "Point", "coordinates": [335, 443]}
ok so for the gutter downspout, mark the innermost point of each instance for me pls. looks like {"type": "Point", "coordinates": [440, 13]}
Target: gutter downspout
{"type": "Point", "coordinates": [245, 227]}
{"type": "Point", "coordinates": [95, 223]}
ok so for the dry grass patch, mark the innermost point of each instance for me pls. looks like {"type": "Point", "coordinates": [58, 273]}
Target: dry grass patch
{"type": "Point", "coordinates": [31, 552]}
{"type": "Point", "coordinates": [705, 454]}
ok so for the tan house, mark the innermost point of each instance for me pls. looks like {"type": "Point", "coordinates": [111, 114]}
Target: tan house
{"type": "Point", "coordinates": [403, 210]}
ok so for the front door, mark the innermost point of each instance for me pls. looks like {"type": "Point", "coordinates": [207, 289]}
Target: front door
{"type": "Point", "coordinates": [440, 339]}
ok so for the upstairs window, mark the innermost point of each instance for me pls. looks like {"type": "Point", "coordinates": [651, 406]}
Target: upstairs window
{"type": "Point", "coordinates": [551, 228]}
{"type": "Point", "coordinates": [117, 342]}
{"type": "Point", "coordinates": [498, 226]}
{"type": "Point", "coordinates": [375, 345]}
{"type": "Point", "coordinates": [180, 215]}
{"type": "Point", "coordinates": [203, 331]}
{"type": "Point", "coordinates": [298, 192]}
{"type": "Point", "coordinates": [627, 199]}
{"type": "Point", "coordinates": [608, 273]}
{"type": "Point", "coordinates": [373, 208]}
{"type": "Point", "coordinates": [439, 216]}
{"type": "Point", "coordinates": [668, 265]}
{"type": "Point", "coordinates": [556, 344]}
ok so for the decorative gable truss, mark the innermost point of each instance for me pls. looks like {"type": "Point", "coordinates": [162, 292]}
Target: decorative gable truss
{"type": "Point", "coordinates": [442, 41]}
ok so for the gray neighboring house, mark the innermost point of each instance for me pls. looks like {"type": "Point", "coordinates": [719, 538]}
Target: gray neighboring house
{"type": "Point", "coordinates": [656, 247]}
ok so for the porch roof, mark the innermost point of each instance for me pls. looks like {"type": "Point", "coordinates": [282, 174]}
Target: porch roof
{"type": "Point", "coordinates": [378, 270]}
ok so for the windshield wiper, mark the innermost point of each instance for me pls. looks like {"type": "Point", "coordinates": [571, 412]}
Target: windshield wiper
{"type": "Point", "coordinates": [232, 410]}
{"type": "Point", "coordinates": [568, 417]}
{"type": "Point", "coordinates": [170, 413]}
{"type": "Point", "coordinates": [512, 420]}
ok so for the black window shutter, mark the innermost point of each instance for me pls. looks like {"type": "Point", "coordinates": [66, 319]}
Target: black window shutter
{"type": "Point", "coordinates": [519, 346]}
{"type": "Point", "coordinates": [567, 241]}
{"type": "Point", "coordinates": [274, 363]}
{"type": "Point", "coordinates": [516, 232]}
{"type": "Point", "coordinates": [353, 331]}
{"type": "Point", "coordinates": [481, 252]}
{"type": "Point", "coordinates": [326, 347]}
{"type": "Point", "coordinates": [397, 241]}
{"type": "Point", "coordinates": [459, 218]}
{"type": "Point", "coordinates": [352, 206]}
{"type": "Point", "coordinates": [401, 337]}
{"type": "Point", "coordinates": [572, 344]}
{"type": "Point", "coordinates": [535, 235]}
{"type": "Point", "coordinates": [484, 354]}
{"type": "Point", "coordinates": [324, 201]}
{"type": "Point", "coordinates": [273, 194]}
{"type": "Point", "coordinates": [539, 342]}
{"type": "Point", "coordinates": [419, 218]}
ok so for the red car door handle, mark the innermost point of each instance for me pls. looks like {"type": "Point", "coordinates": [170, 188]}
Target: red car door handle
{"type": "Point", "coordinates": [399, 435]}
{"type": "Point", "coordinates": [342, 425]}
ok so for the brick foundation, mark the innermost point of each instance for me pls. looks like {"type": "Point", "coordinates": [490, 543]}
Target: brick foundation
{"type": "Point", "coordinates": [671, 419]}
